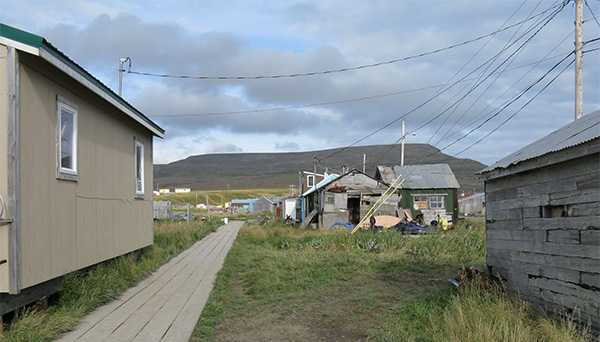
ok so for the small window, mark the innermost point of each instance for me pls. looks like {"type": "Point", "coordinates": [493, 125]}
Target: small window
{"type": "Point", "coordinates": [436, 202]}
{"type": "Point", "coordinates": [420, 202]}
{"type": "Point", "coordinates": [66, 140]}
{"type": "Point", "coordinates": [139, 169]}
{"type": "Point", "coordinates": [310, 181]}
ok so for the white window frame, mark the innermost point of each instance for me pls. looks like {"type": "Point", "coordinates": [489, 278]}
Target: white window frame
{"type": "Point", "coordinates": [66, 173]}
{"type": "Point", "coordinates": [420, 202]}
{"type": "Point", "coordinates": [437, 202]}
{"type": "Point", "coordinates": [139, 168]}
{"type": "Point", "coordinates": [310, 181]}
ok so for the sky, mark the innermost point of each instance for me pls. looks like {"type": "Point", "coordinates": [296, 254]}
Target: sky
{"type": "Point", "coordinates": [477, 79]}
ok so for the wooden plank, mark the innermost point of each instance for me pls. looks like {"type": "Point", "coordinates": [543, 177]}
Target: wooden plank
{"type": "Point", "coordinates": [590, 237]}
{"type": "Point", "coordinates": [591, 279]}
{"type": "Point", "coordinates": [584, 209]}
{"type": "Point", "coordinates": [589, 180]}
{"type": "Point", "coordinates": [542, 247]}
{"type": "Point", "coordinates": [537, 270]}
{"type": "Point", "coordinates": [504, 225]}
{"type": "Point", "coordinates": [575, 197]}
{"type": "Point", "coordinates": [513, 234]}
{"type": "Point", "coordinates": [574, 263]}
{"type": "Point", "coordinates": [564, 288]}
{"type": "Point", "coordinates": [562, 223]}
{"type": "Point", "coordinates": [570, 236]}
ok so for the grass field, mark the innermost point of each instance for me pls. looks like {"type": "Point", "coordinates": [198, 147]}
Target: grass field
{"type": "Point", "coordinates": [280, 284]}
{"type": "Point", "coordinates": [285, 284]}
{"type": "Point", "coordinates": [218, 197]}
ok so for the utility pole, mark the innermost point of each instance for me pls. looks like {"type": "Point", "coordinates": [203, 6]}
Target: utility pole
{"type": "Point", "coordinates": [121, 62]}
{"type": "Point", "coordinates": [314, 171]}
{"type": "Point", "coordinates": [578, 59]}
{"type": "Point", "coordinates": [403, 136]}
{"type": "Point", "coordinates": [402, 154]}
{"type": "Point", "coordinates": [207, 207]}
{"type": "Point", "coordinates": [364, 163]}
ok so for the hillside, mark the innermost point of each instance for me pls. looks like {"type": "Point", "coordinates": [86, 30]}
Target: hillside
{"type": "Point", "coordinates": [279, 170]}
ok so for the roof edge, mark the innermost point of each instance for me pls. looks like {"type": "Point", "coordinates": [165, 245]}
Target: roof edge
{"type": "Point", "coordinates": [38, 46]}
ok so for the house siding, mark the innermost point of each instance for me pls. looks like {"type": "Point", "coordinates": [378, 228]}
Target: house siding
{"type": "Point", "coordinates": [551, 261]}
{"type": "Point", "coordinates": [450, 197]}
{"type": "Point", "coordinates": [67, 225]}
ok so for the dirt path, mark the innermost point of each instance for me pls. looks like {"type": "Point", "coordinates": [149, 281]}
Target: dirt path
{"type": "Point", "coordinates": [166, 305]}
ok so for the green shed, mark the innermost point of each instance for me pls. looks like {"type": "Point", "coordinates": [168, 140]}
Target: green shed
{"type": "Point", "coordinates": [429, 189]}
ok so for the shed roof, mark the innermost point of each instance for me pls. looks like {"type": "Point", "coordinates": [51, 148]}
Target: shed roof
{"type": "Point", "coordinates": [427, 176]}
{"type": "Point", "coordinates": [38, 46]}
{"type": "Point", "coordinates": [577, 132]}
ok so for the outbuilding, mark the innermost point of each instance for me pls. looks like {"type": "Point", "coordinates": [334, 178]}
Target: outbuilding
{"type": "Point", "coordinates": [76, 183]}
{"type": "Point", "coordinates": [543, 220]}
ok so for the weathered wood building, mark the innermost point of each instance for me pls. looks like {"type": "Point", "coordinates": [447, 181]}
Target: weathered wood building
{"type": "Point", "coordinates": [349, 197]}
{"type": "Point", "coordinates": [543, 220]}
{"type": "Point", "coordinates": [76, 172]}
{"type": "Point", "coordinates": [430, 189]}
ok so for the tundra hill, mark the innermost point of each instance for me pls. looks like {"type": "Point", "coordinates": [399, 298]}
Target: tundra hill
{"type": "Point", "coordinates": [279, 170]}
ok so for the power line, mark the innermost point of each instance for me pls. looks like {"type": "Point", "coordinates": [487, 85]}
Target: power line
{"type": "Point", "coordinates": [592, 12]}
{"type": "Point", "coordinates": [251, 111]}
{"type": "Point", "coordinates": [314, 73]}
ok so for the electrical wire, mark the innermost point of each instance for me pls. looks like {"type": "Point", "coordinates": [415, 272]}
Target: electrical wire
{"type": "Point", "coordinates": [592, 12]}
{"type": "Point", "coordinates": [547, 20]}
{"type": "Point", "coordinates": [340, 101]}
{"type": "Point", "coordinates": [314, 73]}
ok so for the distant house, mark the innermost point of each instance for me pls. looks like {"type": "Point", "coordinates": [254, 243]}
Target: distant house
{"type": "Point", "coordinates": [182, 190]}
{"type": "Point", "coordinates": [76, 173]}
{"type": "Point", "coordinates": [164, 191]}
{"type": "Point", "coordinates": [543, 220]}
{"type": "Point", "coordinates": [429, 189]}
{"type": "Point", "coordinates": [267, 204]}
{"type": "Point", "coordinates": [242, 205]}
{"type": "Point", "coordinates": [472, 203]}
{"type": "Point", "coordinates": [349, 197]}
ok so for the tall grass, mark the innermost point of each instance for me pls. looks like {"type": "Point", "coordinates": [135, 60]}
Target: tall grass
{"type": "Point", "coordinates": [84, 291]}
{"type": "Point", "coordinates": [387, 286]}
{"type": "Point", "coordinates": [474, 314]}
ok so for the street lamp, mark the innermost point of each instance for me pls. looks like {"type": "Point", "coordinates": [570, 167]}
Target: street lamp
{"type": "Point", "coordinates": [121, 62]}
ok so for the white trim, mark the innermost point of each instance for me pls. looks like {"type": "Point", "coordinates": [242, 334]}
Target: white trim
{"type": "Point", "coordinates": [66, 173]}
{"type": "Point", "coordinates": [12, 202]}
{"type": "Point", "coordinates": [49, 57]}
{"type": "Point", "coordinates": [139, 193]}
{"type": "Point", "coordinates": [20, 46]}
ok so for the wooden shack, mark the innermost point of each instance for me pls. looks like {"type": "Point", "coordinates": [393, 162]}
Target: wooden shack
{"type": "Point", "coordinates": [543, 220]}
{"type": "Point", "coordinates": [349, 197]}
{"type": "Point", "coordinates": [76, 182]}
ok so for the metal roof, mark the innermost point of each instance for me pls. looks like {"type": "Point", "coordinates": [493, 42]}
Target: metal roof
{"type": "Point", "coordinates": [577, 132]}
{"type": "Point", "coordinates": [428, 176]}
{"type": "Point", "coordinates": [40, 47]}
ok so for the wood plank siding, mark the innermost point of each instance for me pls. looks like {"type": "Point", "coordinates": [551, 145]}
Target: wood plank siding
{"type": "Point", "coordinates": [543, 231]}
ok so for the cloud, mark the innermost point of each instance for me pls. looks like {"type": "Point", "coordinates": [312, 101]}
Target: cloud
{"type": "Point", "coordinates": [287, 146]}
{"type": "Point", "coordinates": [275, 38]}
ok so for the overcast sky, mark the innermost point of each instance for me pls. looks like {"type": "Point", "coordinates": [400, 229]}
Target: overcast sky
{"type": "Point", "coordinates": [444, 96]}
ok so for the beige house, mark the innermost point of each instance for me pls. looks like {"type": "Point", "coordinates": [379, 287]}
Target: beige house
{"type": "Point", "coordinates": [75, 174]}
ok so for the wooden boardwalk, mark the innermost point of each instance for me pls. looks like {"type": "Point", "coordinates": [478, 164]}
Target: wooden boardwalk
{"type": "Point", "coordinates": [166, 305]}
